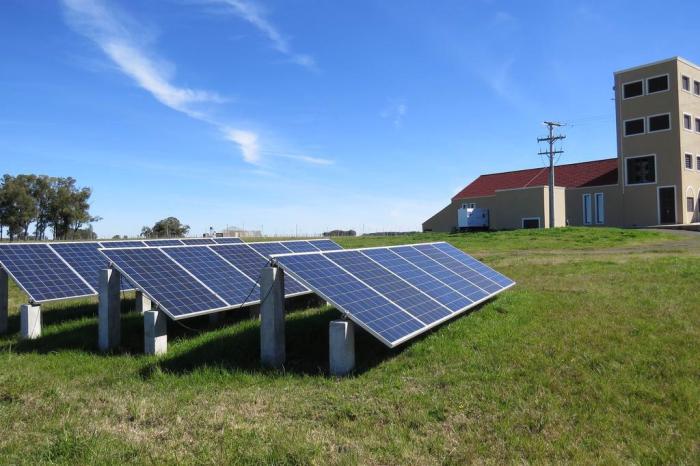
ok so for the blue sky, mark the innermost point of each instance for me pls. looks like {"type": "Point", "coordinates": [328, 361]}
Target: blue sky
{"type": "Point", "coordinates": [304, 116]}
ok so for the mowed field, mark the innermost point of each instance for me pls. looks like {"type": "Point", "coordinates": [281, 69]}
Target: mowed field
{"type": "Point", "coordinates": [593, 357]}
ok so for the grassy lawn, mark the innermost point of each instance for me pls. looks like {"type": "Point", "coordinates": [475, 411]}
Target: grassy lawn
{"type": "Point", "coordinates": [594, 357]}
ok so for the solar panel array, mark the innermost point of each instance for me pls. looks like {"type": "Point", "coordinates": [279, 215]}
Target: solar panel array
{"type": "Point", "coordinates": [186, 281]}
{"type": "Point", "coordinates": [55, 271]}
{"type": "Point", "coordinates": [397, 292]}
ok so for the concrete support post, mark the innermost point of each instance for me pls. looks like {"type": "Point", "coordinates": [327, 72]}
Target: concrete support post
{"type": "Point", "coordinates": [4, 301]}
{"type": "Point", "coordinates": [341, 347]}
{"type": "Point", "coordinates": [272, 341]}
{"type": "Point", "coordinates": [155, 332]}
{"type": "Point", "coordinates": [109, 310]}
{"type": "Point", "coordinates": [143, 304]}
{"type": "Point", "coordinates": [30, 321]}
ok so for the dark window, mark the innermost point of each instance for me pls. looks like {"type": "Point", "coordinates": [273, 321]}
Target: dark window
{"type": "Point", "coordinates": [685, 82]}
{"type": "Point", "coordinates": [634, 127]}
{"type": "Point", "coordinates": [531, 223]}
{"type": "Point", "coordinates": [641, 170]}
{"type": "Point", "coordinates": [697, 125]}
{"type": "Point", "coordinates": [658, 84]}
{"type": "Point", "coordinates": [690, 204]}
{"type": "Point", "coordinates": [688, 161]}
{"type": "Point", "coordinates": [697, 162]}
{"type": "Point", "coordinates": [633, 89]}
{"type": "Point", "coordinates": [696, 87]}
{"type": "Point", "coordinates": [659, 122]}
{"type": "Point", "coordinates": [687, 121]}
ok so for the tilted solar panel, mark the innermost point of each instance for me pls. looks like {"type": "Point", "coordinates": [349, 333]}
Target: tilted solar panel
{"type": "Point", "coordinates": [42, 274]}
{"type": "Point", "coordinates": [326, 245]}
{"type": "Point", "coordinates": [177, 292]}
{"type": "Point", "coordinates": [86, 259]}
{"type": "Point", "coordinates": [123, 244]}
{"type": "Point", "coordinates": [218, 274]}
{"type": "Point", "coordinates": [193, 241]}
{"type": "Point", "coordinates": [228, 240]}
{"type": "Point", "coordinates": [397, 292]}
{"type": "Point", "coordinates": [300, 246]}
{"type": "Point", "coordinates": [163, 242]}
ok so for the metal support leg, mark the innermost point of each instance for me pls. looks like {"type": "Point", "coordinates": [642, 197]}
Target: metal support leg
{"type": "Point", "coordinates": [341, 347]}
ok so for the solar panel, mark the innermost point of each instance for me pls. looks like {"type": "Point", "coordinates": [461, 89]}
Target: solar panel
{"type": "Point", "coordinates": [251, 263]}
{"type": "Point", "coordinates": [85, 258]}
{"type": "Point", "coordinates": [268, 249]}
{"type": "Point", "coordinates": [326, 245]}
{"type": "Point", "coordinates": [41, 273]}
{"type": "Point", "coordinates": [218, 274]}
{"type": "Point", "coordinates": [162, 242]}
{"type": "Point", "coordinates": [228, 240]}
{"type": "Point", "coordinates": [300, 246]}
{"type": "Point", "coordinates": [397, 292]}
{"type": "Point", "coordinates": [192, 241]}
{"type": "Point", "coordinates": [123, 244]}
{"type": "Point", "coordinates": [177, 292]}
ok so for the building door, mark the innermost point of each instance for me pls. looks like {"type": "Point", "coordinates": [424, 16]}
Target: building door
{"type": "Point", "coordinates": [667, 204]}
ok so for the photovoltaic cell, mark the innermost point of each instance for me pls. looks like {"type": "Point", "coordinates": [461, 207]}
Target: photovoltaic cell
{"type": "Point", "coordinates": [122, 244]}
{"type": "Point", "coordinates": [268, 249]}
{"type": "Point", "coordinates": [429, 283]}
{"type": "Point", "coordinates": [228, 240]}
{"type": "Point", "coordinates": [300, 246]}
{"type": "Point", "coordinates": [174, 290]}
{"type": "Point", "coordinates": [41, 273]}
{"type": "Point", "coordinates": [192, 241]}
{"type": "Point", "coordinates": [86, 259]}
{"type": "Point", "coordinates": [373, 311]}
{"type": "Point", "coordinates": [163, 242]}
{"type": "Point", "coordinates": [229, 283]}
{"type": "Point", "coordinates": [398, 291]}
{"type": "Point", "coordinates": [325, 245]}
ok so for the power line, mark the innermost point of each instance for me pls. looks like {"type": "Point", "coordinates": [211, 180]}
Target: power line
{"type": "Point", "coordinates": [551, 154]}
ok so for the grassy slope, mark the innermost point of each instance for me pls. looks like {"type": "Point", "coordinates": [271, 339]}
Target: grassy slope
{"type": "Point", "coordinates": [593, 357]}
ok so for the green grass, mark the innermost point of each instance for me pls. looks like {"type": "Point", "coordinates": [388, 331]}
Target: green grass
{"type": "Point", "coordinates": [591, 358]}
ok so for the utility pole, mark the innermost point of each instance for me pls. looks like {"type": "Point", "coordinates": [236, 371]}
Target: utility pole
{"type": "Point", "coordinates": [551, 153]}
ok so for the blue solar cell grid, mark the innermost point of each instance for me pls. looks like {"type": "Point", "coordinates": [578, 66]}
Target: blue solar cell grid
{"type": "Point", "coordinates": [371, 310]}
{"type": "Point", "coordinates": [428, 283]}
{"type": "Point", "coordinates": [86, 259]}
{"type": "Point", "coordinates": [228, 240]}
{"type": "Point", "coordinates": [178, 293]}
{"type": "Point", "coordinates": [192, 241]}
{"type": "Point", "coordinates": [122, 244]}
{"type": "Point", "coordinates": [325, 245]}
{"type": "Point", "coordinates": [42, 274]}
{"type": "Point", "coordinates": [232, 285]}
{"type": "Point", "coordinates": [300, 246]}
{"type": "Point", "coordinates": [163, 242]}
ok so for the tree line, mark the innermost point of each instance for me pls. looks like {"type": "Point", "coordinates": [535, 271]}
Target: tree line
{"type": "Point", "coordinates": [46, 203]}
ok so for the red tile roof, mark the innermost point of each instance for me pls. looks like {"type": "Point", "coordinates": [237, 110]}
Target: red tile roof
{"type": "Point", "coordinates": [573, 175]}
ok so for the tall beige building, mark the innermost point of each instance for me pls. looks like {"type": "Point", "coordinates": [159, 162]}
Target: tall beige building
{"type": "Point", "coordinates": [655, 178]}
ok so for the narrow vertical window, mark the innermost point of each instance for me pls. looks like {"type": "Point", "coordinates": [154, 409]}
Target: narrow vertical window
{"type": "Point", "coordinates": [685, 83]}
{"type": "Point", "coordinates": [689, 161]}
{"type": "Point", "coordinates": [587, 210]}
{"type": "Point", "coordinates": [599, 208]}
{"type": "Point", "coordinates": [687, 121]}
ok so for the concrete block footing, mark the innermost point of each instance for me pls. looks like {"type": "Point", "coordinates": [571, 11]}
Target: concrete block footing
{"type": "Point", "coordinates": [109, 310]}
{"type": "Point", "coordinates": [4, 301]}
{"type": "Point", "coordinates": [30, 321]}
{"type": "Point", "coordinates": [272, 338]}
{"type": "Point", "coordinates": [341, 347]}
{"type": "Point", "coordinates": [142, 302]}
{"type": "Point", "coordinates": [155, 332]}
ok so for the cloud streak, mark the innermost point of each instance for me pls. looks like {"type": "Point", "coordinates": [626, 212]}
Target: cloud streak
{"type": "Point", "coordinates": [121, 39]}
{"type": "Point", "coordinates": [255, 15]}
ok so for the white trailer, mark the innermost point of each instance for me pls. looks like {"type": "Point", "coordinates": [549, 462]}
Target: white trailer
{"type": "Point", "coordinates": [472, 218]}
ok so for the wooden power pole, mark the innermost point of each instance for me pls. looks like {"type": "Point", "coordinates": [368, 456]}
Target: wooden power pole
{"type": "Point", "coordinates": [551, 153]}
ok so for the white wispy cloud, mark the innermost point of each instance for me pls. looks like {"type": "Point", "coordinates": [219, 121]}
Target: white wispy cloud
{"type": "Point", "coordinates": [124, 42]}
{"type": "Point", "coordinates": [307, 159]}
{"type": "Point", "coordinates": [254, 14]}
{"type": "Point", "coordinates": [395, 113]}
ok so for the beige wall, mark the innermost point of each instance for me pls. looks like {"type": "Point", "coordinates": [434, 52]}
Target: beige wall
{"type": "Point", "coordinates": [612, 200]}
{"type": "Point", "coordinates": [689, 143]}
{"type": "Point", "coordinates": [444, 221]}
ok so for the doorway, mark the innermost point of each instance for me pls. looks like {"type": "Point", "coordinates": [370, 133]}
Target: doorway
{"type": "Point", "coordinates": [667, 204]}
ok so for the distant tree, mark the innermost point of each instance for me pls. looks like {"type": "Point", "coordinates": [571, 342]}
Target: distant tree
{"type": "Point", "coordinates": [69, 209]}
{"type": "Point", "coordinates": [83, 234]}
{"type": "Point", "coordinates": [17, 207]}
{"type": "Point", "coordinates": [340, 233]}
{"type": "Point", "coordinates": [169, 227]}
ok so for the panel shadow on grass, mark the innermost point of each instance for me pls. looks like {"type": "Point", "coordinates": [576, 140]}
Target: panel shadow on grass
{"type": "Point", "coordinates": [239, 348]}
